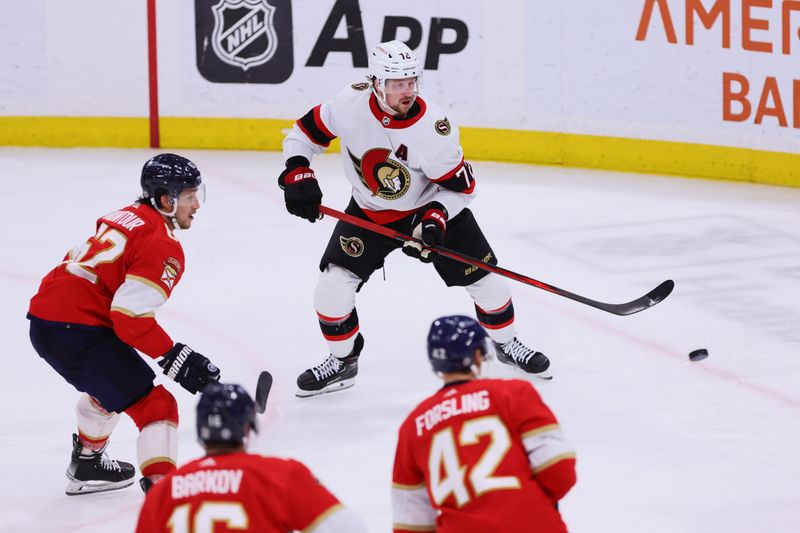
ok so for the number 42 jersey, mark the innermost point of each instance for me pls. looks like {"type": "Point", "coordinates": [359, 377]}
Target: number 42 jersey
{"type": "Point", "coordinates": [482, 456]}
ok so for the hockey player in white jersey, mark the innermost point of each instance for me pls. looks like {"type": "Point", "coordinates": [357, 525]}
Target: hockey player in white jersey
{"type": "Point", "coordinates": [404, 160]}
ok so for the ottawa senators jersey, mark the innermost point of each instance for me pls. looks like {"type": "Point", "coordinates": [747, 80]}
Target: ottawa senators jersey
{"type": "Point", "coordinates": [117, 279]}
{"type": "Point", "coordinates": [237, 492]}
{"type": "Point", "coordinates": [482, 456]}
{"type": "Point", "coordinates": [394, 165]}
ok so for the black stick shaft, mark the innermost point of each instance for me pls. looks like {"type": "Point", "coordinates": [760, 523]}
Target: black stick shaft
{"type": "Point", "coordinates": [634, 306]}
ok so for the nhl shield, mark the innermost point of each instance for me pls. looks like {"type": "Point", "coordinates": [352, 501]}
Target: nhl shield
{"type": "Point", "coordinates": [244, 32]}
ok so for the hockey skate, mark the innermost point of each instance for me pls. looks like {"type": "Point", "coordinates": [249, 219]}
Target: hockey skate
{"type": "Point", "coordinates": [331, 375]}
{"type": "Point", "coordinates": [146, 483]}
{"type": "Point", "coordinates": [517, 354]}
{"type": "Point", "coordinates": [96, 472]}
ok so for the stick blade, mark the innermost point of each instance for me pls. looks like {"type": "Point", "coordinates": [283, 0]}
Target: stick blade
{"type": "Point", "coordinates": [661, 292]}
{"type": "Point", "coordinates": [262, 391]}
{"type": "Point", "coordinates": [645, 302]}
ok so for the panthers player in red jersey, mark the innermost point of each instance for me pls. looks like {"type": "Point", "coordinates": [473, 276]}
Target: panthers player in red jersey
{"type": "Point", "coordinates": [95, 309]}
{"type": "Point", "coordinates": [403, 158]}
{"type": "Point", "coordinates": [230, 489]}
{"type": "Point", "coordinates": [480, 455]}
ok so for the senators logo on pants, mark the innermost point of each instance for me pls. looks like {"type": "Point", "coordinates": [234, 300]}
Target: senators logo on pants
{"type": "Point", "coordinates": [352, 246]}
{"type": "Point", "coordinates": [382, 175]}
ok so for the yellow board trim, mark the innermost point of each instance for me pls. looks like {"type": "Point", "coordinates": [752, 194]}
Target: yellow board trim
{"type": "Point", "coordinates": [62, 132]}
{"type": "Point", "coordinates": [518, 146]}
{"type": "Point", "coordinates": [632, 155]}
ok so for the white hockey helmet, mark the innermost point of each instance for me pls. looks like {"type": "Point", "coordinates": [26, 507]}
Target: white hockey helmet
{"type": "Point", "coordinates": [392, 60]}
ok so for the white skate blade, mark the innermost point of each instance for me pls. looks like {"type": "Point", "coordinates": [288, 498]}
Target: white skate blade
{"type": "Point", "coordinates": [546, 375]}
{"type": "Point", "coordinates": [333, 387]}
{"type": "Point", "coordinates": [76, 487]}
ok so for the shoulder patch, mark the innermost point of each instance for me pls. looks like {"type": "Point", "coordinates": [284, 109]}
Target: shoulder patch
{"type": "Point", "coordinates": [360, 86]}
{"type": "Point", "coordinates": [169, 275]}
{"type": "Point", "coordinates": [174, 262]}
{"type": "Point", "coordinates": [442, 126]}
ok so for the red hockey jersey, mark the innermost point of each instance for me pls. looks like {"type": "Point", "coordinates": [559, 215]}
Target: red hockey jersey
{"type": "Point", "coordinates": [117, 279]}
{"type": "Point", "coordinates": [237, 492]}
{"type": "Point", "coordinates": [482, 456]}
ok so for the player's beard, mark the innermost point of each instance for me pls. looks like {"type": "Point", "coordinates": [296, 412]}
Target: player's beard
{"type": "Point", "coordinates": [404, 109]}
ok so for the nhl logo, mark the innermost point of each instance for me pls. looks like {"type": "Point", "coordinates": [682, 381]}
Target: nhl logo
{"type": "Point", "coordinates": [244, 34]}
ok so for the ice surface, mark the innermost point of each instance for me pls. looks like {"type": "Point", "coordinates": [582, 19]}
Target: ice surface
{"type": "Point", "coordinates": [663, 444]}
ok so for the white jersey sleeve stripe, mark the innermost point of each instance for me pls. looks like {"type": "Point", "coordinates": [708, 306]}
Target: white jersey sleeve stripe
{"type": "Point", "coordinates": [138, 297]}
{"type": "Point", "coordinates": [449, 174]}
{"type": "Point", "coordinates": [150, 283]}
{"type": "Point", "coordinates": [546, 446]}
{"type": "Point", "coordinates": [412, 509]}
{"type": "Point", "coordinates": [298, 143]}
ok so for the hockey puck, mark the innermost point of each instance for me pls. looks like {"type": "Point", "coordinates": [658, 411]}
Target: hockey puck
{"type": "Point", "coordinates": [698, 355]}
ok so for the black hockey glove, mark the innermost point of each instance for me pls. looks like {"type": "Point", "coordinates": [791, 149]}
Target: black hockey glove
{"type": "Point", "coordinates": [301, 191]}
{"type": "Point", "coordinates": [429, 224]}
{"type": "Point", "coordinates": [192, 370]}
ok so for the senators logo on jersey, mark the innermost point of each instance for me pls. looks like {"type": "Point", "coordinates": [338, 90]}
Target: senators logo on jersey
{"type": "Point", "coordinates": [382, 175]}
{"type": "Point", "coordinates": [442, 126]}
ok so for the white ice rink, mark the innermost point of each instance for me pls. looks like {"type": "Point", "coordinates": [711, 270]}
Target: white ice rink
{"type": "Point", "coordinates": [664, 445]}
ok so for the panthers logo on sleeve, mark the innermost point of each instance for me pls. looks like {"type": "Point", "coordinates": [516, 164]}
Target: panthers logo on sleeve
{"type": "Point", "coordinates": [383, 176]}
{"type": "Point", "coordinates": [169, 275]}
{"type": "Point", "coordinates": [172, 268]}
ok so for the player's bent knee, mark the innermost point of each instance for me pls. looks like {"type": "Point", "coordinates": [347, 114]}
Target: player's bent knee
{"type": "Point", "coordinates": [158, 405]}
{"type": "Point", "coordinates": [336, 291]}
{"type": "Point", "coordinates": [490, 292]}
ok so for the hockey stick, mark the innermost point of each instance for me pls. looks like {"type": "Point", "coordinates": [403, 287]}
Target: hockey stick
{"type": "Point", "coordinates": [263, 386]}
{"type": "Point", "coordinates": [262, 391]}
{"type": "Point", "coordinates": [634, 306]}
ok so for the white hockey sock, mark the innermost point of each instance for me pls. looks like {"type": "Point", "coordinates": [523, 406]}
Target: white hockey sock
{"type": "Point", "coordinates": [493, 307]}
{"type": "Point", "coordinates": [334, 302]}
{"type": "Point", "coordinates": [95, 424]}
{"type": "Point", "coordinates": [157, 448]}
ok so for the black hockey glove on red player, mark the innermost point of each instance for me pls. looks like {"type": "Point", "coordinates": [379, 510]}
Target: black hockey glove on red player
{"type": "Point", "coordinates": [301, 191]}
{"type": "Point", "coordinates": [192, 370]}
{"type": "Point", "coordinates": [429, 224]}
